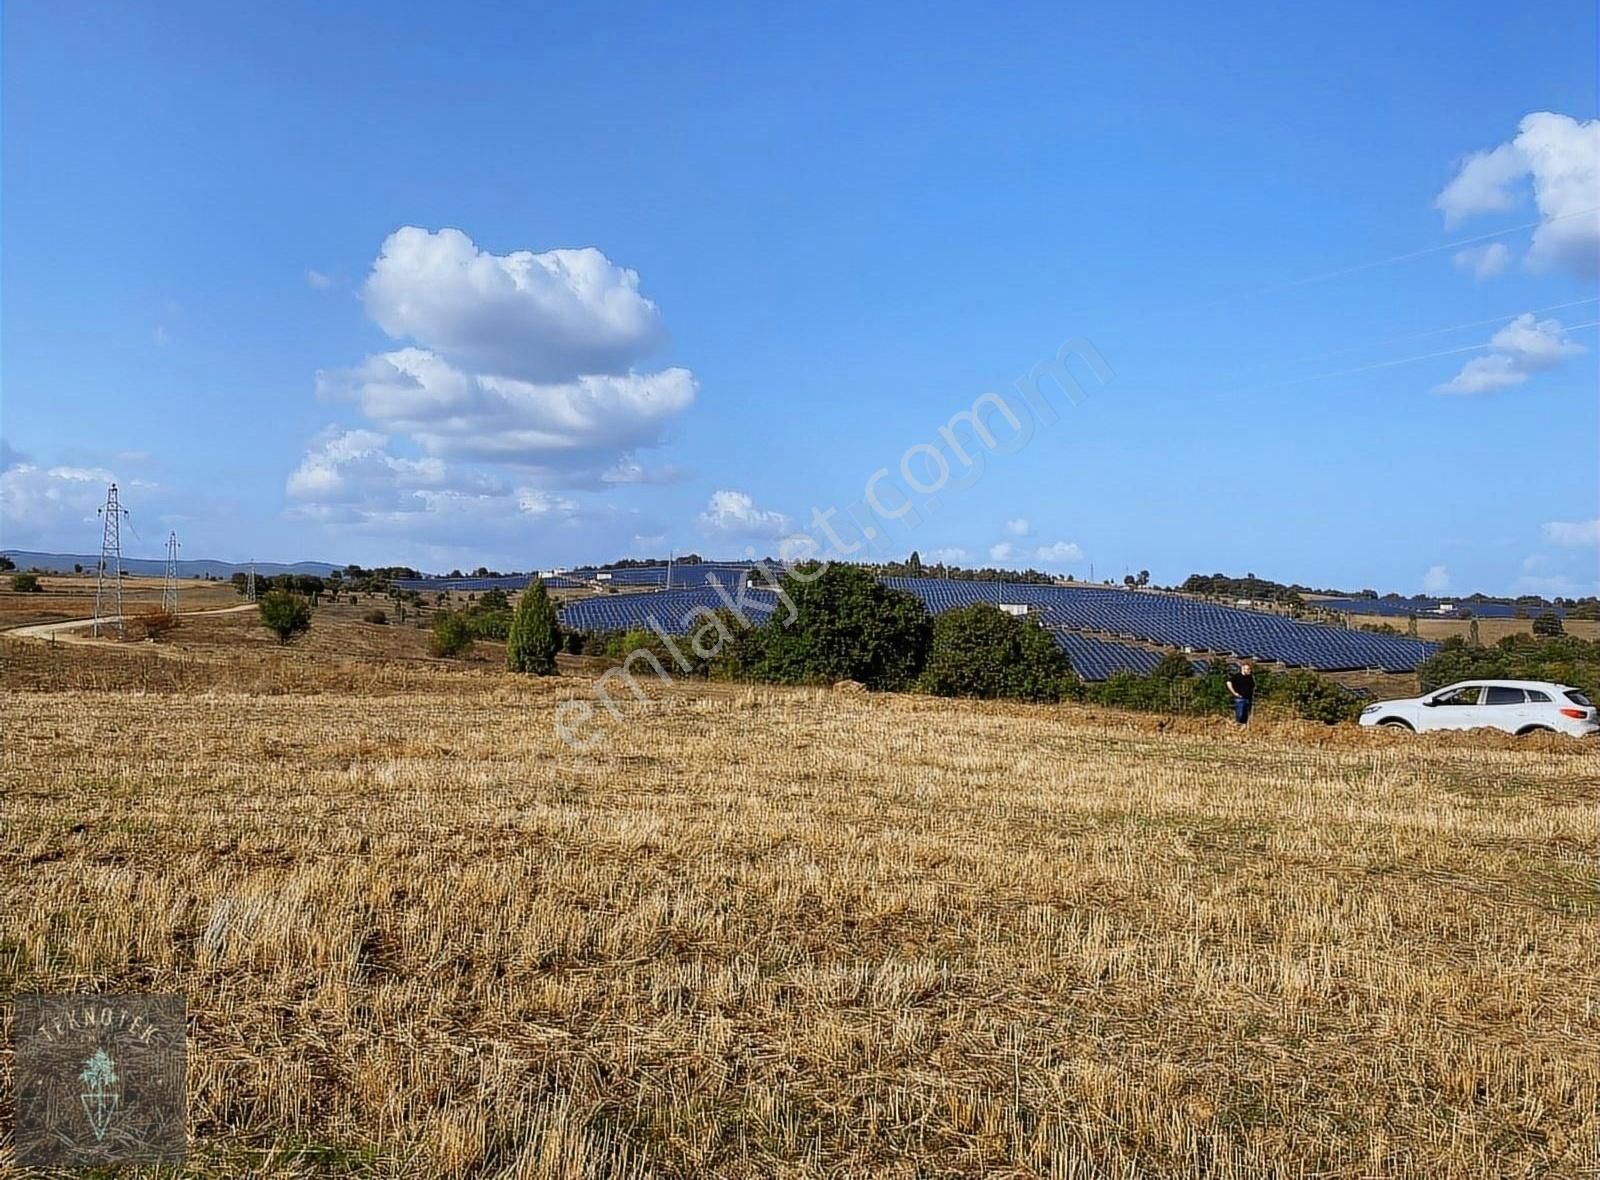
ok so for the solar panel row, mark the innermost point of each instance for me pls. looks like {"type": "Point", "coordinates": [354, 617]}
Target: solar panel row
{"type": "Point", "coordinates": [509, 584]}
{"type": "Point", "coordinates": [1097, 659]}
{"type": "Point", "coordinates": [1429, 607]}
{"type": "Point", "coordinates": [1173, 621]}
{"type": "Point", "coordinates": [675, 612]}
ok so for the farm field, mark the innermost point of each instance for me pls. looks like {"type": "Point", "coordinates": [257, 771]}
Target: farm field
{"type": "Point", "coordinates": [758, 932]}
{"type": "Point", "coordinates": [1489, 630]}
{"type": "Point", "coordinates": [71, 596]}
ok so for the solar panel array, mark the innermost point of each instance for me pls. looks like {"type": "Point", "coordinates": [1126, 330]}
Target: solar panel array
{"type": "Point", "coordinates": [675, 612]}
{"type": "Point", "coordinates": [679, 575]}
{"type": "Point", "coordinates": [1429, 607]}
{"type": "Point", "coordinates": [1173, 621]}
{"type": "Point", "coordinates": [510, 583]}
{"type": "Point", "coordinates": [1097, 659]}
{"type": "Point", "coordinates": [637, 577]}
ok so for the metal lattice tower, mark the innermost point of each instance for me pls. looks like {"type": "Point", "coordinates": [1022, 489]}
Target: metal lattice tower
{"type": "Point", "coordinates": [250, 594]}
{"type": "Point", "coordinates": [111, 514]}
{"type": "Point", "coordinates": [169, 588]}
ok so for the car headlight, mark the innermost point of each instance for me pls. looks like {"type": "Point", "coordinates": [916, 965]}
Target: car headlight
{"type": "Point", "coordinates": [1371, 709]}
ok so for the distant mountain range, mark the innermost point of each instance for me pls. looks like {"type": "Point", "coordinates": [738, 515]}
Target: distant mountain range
{"type": "Point", "coordinates": [62, 563]}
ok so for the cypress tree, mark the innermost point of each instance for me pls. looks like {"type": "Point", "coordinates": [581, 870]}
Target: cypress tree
{"type": "Point", "coordinates": [535, 635]}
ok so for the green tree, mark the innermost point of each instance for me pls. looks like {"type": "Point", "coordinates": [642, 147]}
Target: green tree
{"type": "Point", "coordinates": [6, 564]}
{"type": "Point", "coordinates": [1548, 625]}
{"type": "Point", "coordinates": [285, 614]}
{"type": "Point", "coordinates": [451, 635]}
{"type": "Point", "coordinates": [535, 635]}
{"type": "Point", "coordinates": [26, 583]}
{"type": "Point", "coordinates": [846, 625]}
{"type": "Point", "coordinates": [981, 651]}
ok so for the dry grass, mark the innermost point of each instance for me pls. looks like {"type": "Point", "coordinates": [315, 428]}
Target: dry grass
{"type": "Point", "coordinates": [768, 933]}
{"type": "Point", "coordinates": [1490, 631]}
{"type": "Point", "coordinates": [71, 596]}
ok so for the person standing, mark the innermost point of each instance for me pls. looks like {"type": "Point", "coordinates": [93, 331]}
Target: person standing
{"type": "Point", "coordinates": [1242, 687]}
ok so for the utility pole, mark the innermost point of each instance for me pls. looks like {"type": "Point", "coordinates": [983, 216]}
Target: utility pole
{"type": "Point", "coordinates": [111, 514]}
{"type": "Point", "coordinates": [250, 594]}
{"type": "Point", "coordinates": [169, 589]}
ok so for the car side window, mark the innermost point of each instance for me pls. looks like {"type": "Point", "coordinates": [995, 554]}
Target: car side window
{"type": "Point", "coordinates": [1461, 696]}
{"type": "Point", "coordinates": [1505, 696]}
{"type": "Point", "coordinates": [1537, 697]}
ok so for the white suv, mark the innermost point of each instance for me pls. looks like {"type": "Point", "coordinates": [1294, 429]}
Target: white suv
{"type": "Point", "coordinates": [1515, 706]}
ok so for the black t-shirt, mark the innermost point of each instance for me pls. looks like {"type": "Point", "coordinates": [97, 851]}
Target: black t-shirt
{"type": "Point", "coordinates": [1244, 684]}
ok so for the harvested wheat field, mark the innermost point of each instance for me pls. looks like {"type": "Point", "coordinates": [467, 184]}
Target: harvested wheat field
{"type": "Point", "coordinates": [811, 933]}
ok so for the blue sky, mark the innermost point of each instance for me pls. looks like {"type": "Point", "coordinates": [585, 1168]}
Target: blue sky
{"type": "Point", "coordinates": [710, 269]}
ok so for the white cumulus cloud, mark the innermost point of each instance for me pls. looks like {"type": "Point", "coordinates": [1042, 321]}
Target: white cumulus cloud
{"type": "Point", "coordinates": [1019, 527]}
{"type": "Point", "coordinates": [1516, 352]}
{"type": "Point", "coordinates": [318, 281]}
{"type": "Point", "coordinates": [1000, 551]}
{"type": "Point", "coordinates": [1436, 580]}
{"type": "Point", "coordinates": [950, 555]}
{"type": "Point", "coordinates": [584, 427]}
{"type": "Point", "coordinates": [1560, 157]}
{"type": "Point", "coordinates": [537, 317]}
{"type": "Point", "coordinates": [1061, 553]}
{"type": "Point", "coordinates": [734, 514]}
{"type": "Point", "coordinates": [353, 478]}
{"type": "Point", "coordinates": [50, 507]}
{"type": "Point", "coordinates": [516, 375]}
{"type": "Point", "coordinates": [1573, 534]}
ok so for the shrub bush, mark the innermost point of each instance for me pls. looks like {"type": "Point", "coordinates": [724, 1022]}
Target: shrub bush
{"type": "Point", "coordinates": [451, 634]}
{"type": "Point", "coordinates": [153, 623]}
{"type": "Point", "coordinates": [26, 583]}
{"type": "Point", "coordinates": [1315, 698]}
{"type": "Point", "coordinates": [1548, 625]}
{"type": "Point", "coordinates": [378, 618]}
{"type": "Point", "coordinates": [1564, 658]}
{"type": "Point", "coordinates": [285, 614]}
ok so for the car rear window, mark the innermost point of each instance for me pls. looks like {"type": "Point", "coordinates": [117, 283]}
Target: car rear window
{"type": "Point", "coordinates": [1577, 698]}
{"type": "Point", "coordinates": [1504, 696]}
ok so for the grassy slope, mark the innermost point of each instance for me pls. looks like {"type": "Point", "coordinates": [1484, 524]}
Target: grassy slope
{"type": "Point", "coordinates": [763, 932]}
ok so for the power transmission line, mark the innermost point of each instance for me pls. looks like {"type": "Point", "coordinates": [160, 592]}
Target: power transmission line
{"type": "Point", "coordinates": [111, 514]}
{"type": "Point", "coordinates": [169, 588]}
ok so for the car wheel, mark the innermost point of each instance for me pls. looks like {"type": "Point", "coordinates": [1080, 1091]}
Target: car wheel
{"type": "Point", "coordinates": [1524, 732]}
{"type": "Point", "coordinates": [1396, 723]}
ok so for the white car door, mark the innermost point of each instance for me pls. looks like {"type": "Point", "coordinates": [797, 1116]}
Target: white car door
{"type": "Point", "coordinates": [1505, 708]}
{"type": "Point", "coordinates": [1455, 708]}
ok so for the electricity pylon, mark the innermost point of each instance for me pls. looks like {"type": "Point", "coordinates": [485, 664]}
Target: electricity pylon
{"type": "Point", "coordinates": [169, 588]}
{"type": "Point", "coordinates": [250, 594]}
{"type": "Point", "coordinates": [111, 514]}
